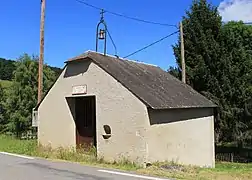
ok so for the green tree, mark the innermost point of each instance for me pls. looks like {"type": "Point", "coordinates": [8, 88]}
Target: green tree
{"type": "Point", "coordinates": [22, 96]}
{"type": "Point", "coordinates": [237, 45]}
{"type": "Point", "coordinates": [1, 108]}
{"type": "Point", "coordinates": [202, 27]}
{"type": "Point", "coordinates": [175, 71]}
{"type": "Point", "coordinates": [218, 65]}
{"type": "Point", "coordinates": [6, 69]}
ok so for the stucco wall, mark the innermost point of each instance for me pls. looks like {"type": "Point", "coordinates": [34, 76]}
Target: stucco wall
{"type": "Point", "coordinates": [115, 106]}
{"type": "Point", "coordinates": [55, 122]}
{"type": "Point", "coordinates": [183, 136]}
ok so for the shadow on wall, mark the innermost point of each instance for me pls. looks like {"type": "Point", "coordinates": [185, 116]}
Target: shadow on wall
{"type": "Point", "coordinates": [176, 115]}
{"type": "Point", "coordinates": [77, 68]}
{"type": "Point", "coordinates": [71, 101]}
{"type": "Point", "coordinates": [71, 105]}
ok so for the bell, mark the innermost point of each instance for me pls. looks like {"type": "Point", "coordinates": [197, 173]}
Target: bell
{"type": "Point", "coordinates": [102, 34]}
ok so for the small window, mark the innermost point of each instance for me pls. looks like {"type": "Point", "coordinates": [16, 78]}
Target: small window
{"type": "Point", "coordinates": [107, 131]}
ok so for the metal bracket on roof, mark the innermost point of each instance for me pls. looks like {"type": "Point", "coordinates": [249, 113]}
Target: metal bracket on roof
{"type": "Point", "coordinates": [101, 34]}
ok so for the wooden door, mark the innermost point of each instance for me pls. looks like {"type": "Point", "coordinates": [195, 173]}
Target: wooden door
{"type": "Point", "coordinates": [85, 121]}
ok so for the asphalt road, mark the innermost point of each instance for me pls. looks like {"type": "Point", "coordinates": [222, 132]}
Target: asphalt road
{"type": "Point", "coordinates": [14, 167]}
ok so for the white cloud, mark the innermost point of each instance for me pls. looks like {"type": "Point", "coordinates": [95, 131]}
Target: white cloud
{"type": "Point", "coordinates": [236, 10]}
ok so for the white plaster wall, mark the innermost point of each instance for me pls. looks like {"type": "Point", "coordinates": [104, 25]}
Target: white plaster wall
{"type": "Point", "coordinates": [56, 127]}
{"type": "Point", "coordinates": [189, 142]}
{"type": "Point", "coordinates": [115, 106]}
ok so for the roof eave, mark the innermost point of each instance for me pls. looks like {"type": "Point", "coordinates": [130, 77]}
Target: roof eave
{"type": "Point", "coordinates": [182, 107]}
{"type": "Point", "coordinates": [76, 59]}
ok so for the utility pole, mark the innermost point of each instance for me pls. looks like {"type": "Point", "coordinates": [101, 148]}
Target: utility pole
{"type": "Point", "coordinates": [182, 53]}
{"type": "Point", "coordinates": [41, 53]}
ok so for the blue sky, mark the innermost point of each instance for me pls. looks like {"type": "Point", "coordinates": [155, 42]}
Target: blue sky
{"type": "Point", "coordinates": [70, 28]}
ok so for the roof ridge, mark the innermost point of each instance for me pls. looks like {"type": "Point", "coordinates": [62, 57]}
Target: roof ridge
{"type": "Point", "coordinates": [121, 58]}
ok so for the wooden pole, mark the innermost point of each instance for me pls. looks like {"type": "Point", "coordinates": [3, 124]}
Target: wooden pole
{"type": "Point", "coordinates": [41, 53]}
{"type": "Point", "coordinates": [182, 53]}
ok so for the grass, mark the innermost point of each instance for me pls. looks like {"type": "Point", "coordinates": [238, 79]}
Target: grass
{"type": "Point", "coordinates": [87, 156]}
{"type": "Point", "coordinates": [223, 171]}
{"type": "Point", "coordinates": [9, 144]}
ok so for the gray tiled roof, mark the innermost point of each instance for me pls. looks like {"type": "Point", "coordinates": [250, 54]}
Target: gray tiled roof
{"type": "Point", "coordinates": [152, 85]}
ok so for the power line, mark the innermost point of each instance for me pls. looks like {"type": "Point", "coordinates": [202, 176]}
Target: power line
{"type": "Point", "coordinates": [90, 5]}
{"type": "Point", "coordinates": [151, 44]}
{"type": "Point", "coordinates": [112, 42]}
{"type": "Point", "coordinates": [141, 20]}
{"type": "Point", "coordinates": [127, 17]}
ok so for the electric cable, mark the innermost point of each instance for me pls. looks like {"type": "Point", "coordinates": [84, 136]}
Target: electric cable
{"type": "Point", "coordinates": [87, 4]}
{"type": "Point", "coordinates": [151, 44]}
{"type": "Point", "coordinates": [127, 17]}
{"type": "Point", "coordinates": [112, 42]}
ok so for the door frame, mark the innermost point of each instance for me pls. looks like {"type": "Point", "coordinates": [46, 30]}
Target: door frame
{"type": "Point", "coordinates": [94, 123]}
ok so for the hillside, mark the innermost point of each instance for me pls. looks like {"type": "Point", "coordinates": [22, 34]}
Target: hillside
{"type": "Point", "coordinates": [8, 66]}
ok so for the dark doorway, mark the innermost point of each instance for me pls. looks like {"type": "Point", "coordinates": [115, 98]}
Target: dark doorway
{"type": "Point", "coordinates": [85, 122]}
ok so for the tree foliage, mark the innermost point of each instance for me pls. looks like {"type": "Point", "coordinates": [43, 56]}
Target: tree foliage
{"type": "Point", "coordinates": [7, 67]}
{"type": "Point", "coordinates": [236, 42]}
{"type": "Point", "coordinates": [22, 95]}
{"type": "Point", "coordinates": [1, 108]}
{"type": "Point", "coordinates": [219, 65]}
